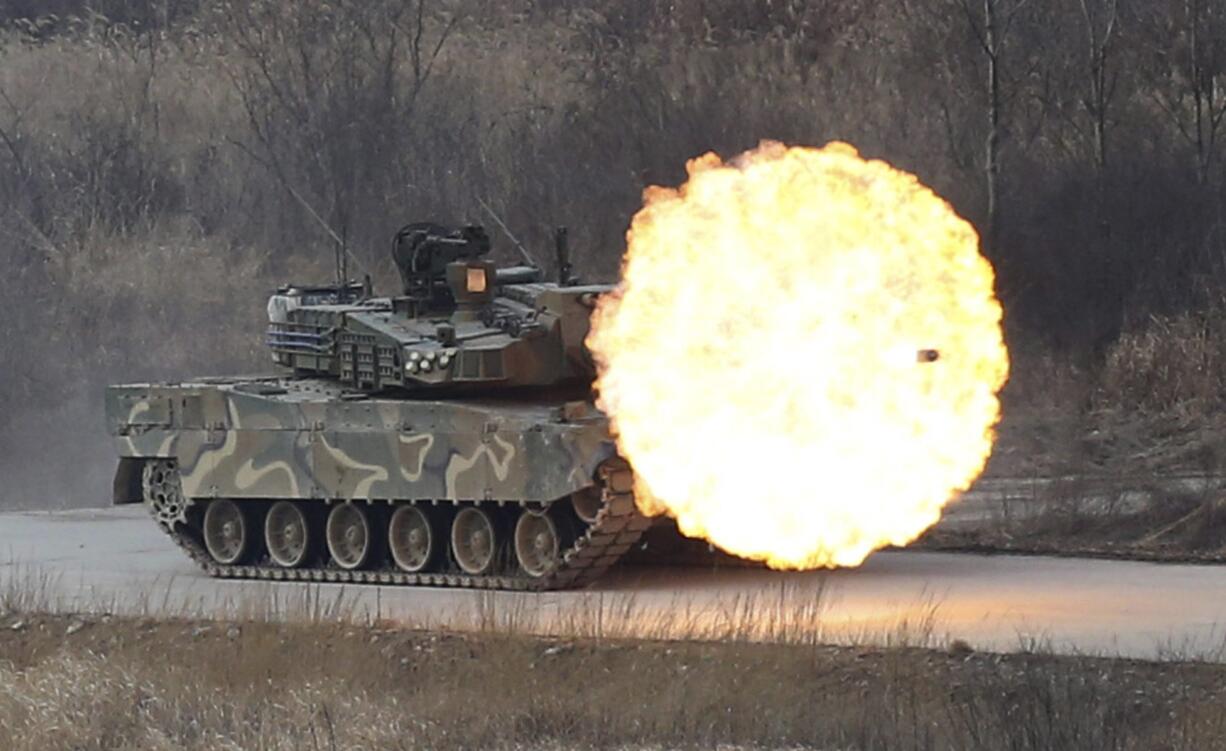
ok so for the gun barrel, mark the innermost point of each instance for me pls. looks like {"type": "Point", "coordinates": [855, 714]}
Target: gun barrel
{"type": "Point", "coordinates": [517, 275]}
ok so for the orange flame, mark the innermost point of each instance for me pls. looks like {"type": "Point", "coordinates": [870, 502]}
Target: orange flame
{"type": "Point", "coordinates": [768, 359]}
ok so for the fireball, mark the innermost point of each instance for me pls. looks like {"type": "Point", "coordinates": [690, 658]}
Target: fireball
{"type": "Point", "coordinates": [802, 359]}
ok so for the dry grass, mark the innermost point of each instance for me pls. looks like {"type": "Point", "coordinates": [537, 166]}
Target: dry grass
{"type": "Point", "coordinates": [316, 669]}
{"type": "Point", "coordinates": [792, 614]}
{"type": "Point", "coordinates": [1169, 363]}
{"type": "Point", "coordinates": [91, 684]}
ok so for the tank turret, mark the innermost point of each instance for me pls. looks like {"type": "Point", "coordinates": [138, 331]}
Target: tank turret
{"type": "Point", "coordinates": [458, 323]}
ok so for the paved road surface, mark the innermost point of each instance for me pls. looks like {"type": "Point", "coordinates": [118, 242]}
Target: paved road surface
{"type": "Point", "coordinates": [116, 560]}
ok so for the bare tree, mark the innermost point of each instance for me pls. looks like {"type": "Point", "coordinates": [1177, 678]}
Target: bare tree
{"type": "Point", "coordinates": [991, 22]}
{"type": "Point", "coordinates": [1100, 19]}
{"type": "Point", "coordinates": [1187, 40]}
{"type": "Point", "coordinates": [329, 92]}
{"type": "Point", "coordinates": [979, 80]}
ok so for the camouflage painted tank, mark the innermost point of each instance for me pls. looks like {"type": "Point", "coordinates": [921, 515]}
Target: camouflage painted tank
{"type": "Point", "coordinates": [443, 436]}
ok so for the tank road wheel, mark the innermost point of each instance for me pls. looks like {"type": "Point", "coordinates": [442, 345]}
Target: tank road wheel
{"type": "Point", "coordinates": [536, 543]}
{"type": "Point", "coordinates": [350, 536]}
{"type": "Point", "coordinates": [474, 541]}
{"type": "Point", "coordinates": [587, 504]}
{"type": "Point", "coordinates": [287, 534]}
{"type": "Point", "coordinates": [226, 534]}
{"type": "Point", "coordinates": [411, 540]}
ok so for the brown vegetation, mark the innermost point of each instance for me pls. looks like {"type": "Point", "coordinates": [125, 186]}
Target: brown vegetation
{"type": "Point", "coordinates": [68, 683]}
{"type": "Point", "coordinates": [163, 164]}
{"type": "Point", "coordinates": [1134, 517]}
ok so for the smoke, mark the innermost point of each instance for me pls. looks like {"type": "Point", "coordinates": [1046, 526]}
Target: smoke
{"type": "Point", "coordinates": [56, 457]}
{"type": "Point", "coordinates": [129, 311]}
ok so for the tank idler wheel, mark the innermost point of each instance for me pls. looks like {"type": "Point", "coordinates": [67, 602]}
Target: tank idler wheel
{"type": "Point", "coordinates": [350, 535]}
{"type": "Point", "coordinates": [287, 534]}
{"type": "Point", "coordinates": [226, 531]}
{"type": "Point", "coordinates": [587, 504]}
{"type": "Point", "coordinates": [411, 539]}
{"type": "Point", "coordinates": [536, 543]}
{"type": "Point", "coordinates": [474, 541]}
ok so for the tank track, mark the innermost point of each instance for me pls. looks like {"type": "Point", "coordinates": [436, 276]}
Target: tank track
{"type": "Point", "coordinates": [617, 527]}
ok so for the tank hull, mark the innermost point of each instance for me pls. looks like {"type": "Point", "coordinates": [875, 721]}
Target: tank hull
{"type": "Point", "coordinates": [309, 439]}
{"type": "Point", "coordinates": [253, 443]}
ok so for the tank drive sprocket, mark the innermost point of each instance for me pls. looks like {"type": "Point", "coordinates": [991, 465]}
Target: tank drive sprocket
{"type": "Point", "coordinates": [163, 493]}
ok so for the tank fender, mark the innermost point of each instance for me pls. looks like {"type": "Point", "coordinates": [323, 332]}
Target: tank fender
{"type": "Point", "coordinates": [127, 486]}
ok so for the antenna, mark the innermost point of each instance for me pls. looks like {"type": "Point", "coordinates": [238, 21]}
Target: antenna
{"type": "Point", "coordinates": [522, 250]}
{"type": "Point", "coordinates": [342, 247]}
{"type": "Point", "coordinates": [343, 282]}
{"type": "Point", "coordinates": [338, 263]}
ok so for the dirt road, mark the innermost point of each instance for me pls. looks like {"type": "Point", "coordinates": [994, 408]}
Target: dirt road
{"type": "Point", "coordinates": [116, 560]}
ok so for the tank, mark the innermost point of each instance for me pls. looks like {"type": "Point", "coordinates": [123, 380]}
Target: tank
{"type": "Point", "coordinates": [442, 436]}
